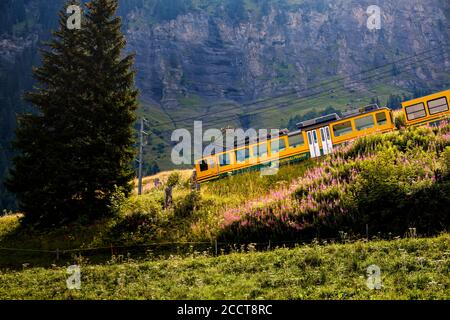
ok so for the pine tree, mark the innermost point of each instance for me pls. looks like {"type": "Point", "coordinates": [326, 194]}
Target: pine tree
{"type": "Point", "coordinates": [111, 102]}
{"type": "Point", "coordinates": [77, 150]}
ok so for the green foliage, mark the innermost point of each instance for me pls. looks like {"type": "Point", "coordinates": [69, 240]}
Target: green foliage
{"type": "Point", "coordinates": [394, 101]}
{"type": "Point", "coordinates": [135, 228]}
{"type": "Point", "coordinates": [400, 121]}
{"type": "Point", "coordinates": [117, 200]}
{"type": "Point", "coordinates": [395, 191]}
{"type": "Point", "coordinates": [150, 169]}
{"type": "Point", "coordinates": [187, 205]}
{"type": "Point", "coordinates": [410, 269]}
{"type": "Point", "coordinates": [76, 152]}
{"type": "Point", "coordinates": [174, 179]}
{"type": "Point", "coordinates": [446, 159]}
{"type": "Point", "coordinates": [391, 182]}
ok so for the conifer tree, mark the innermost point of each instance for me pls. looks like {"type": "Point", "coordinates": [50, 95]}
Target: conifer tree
{"type": "Point", "coordinates": [111, 103]}
{"type": "Point", "coordinates": [77, 150]}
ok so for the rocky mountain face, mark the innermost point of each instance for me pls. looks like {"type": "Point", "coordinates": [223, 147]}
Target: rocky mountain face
{"type": "Point", "coordinates": [191, 53]}
{"type": "Point", "coordinates": [244, 50]}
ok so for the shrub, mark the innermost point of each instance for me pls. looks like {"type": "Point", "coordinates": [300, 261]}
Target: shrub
{"type": "Point", "coordinates": [140, 220]}
{"type": "Point", "coordinates": [173, 179]}
{"type": "Point", "coordinates": [446, 160]}
{"type": "Point", "coordinates": [116, 201]}
{"type": "Point", "coordinates": [391, 182]}
{"type": "Point", "coordinates": [385, 191]}
{"type": "Point", "coordinates": [186, 206]}
{"type": "Point", "coordinates": [400, 121]}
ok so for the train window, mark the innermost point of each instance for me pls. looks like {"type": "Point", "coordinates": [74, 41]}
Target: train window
{"type": "Point", "coordinates": [242, 155]}
{"type": "Point", "coordinates": [381, 118]}
{"type": "Point", "coordinates": [341, 129]}
{"type": "Point", "coordinates": [438, 105]}
{"type": "Point", "coordinates": [415, 111]}
{"type": "Point", "coordinates": [224, 159]}
{"type": "Point", "coordinates": [203, 165]}
{"type": "Point", "coordinates": [260, 150]}
{"type": "Point", "coordinates": [364, 123]}
{"type": "Point", "coordinates": [296, 140]}
{"type": "Point", "coordinates": [277, 146]}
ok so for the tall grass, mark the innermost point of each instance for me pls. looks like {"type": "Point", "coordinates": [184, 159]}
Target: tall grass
{"type": "Point", "coordinates": [410, 269]}
{"type": "Point", "coordinates": [391, 182]}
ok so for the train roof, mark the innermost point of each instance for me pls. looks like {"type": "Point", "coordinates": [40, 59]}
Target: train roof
{"type": "Point", "coordinates": [311, 124]}
{"type": "Point", "coordinates": [316, 121]}
{"type": "Point", "coordinates": [324, 120]}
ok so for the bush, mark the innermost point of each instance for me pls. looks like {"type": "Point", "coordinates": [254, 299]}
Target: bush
{"type": "Point", "coordinates": [391, 182]}
{"type": "Point", "coordinates": [400, 121]}
{"type": "Point", "coordinates": [140, 220]}
{"type": "Point", "coordinates": [117, 201]}
{"type": "Point", "coordinates": [446, 160]}
{"type": "Point", "coordinates": [187, 205]}
{"type": "Point", "coordinates": [395, 190]}
{"type": "Point", "coordinates": [174, 179]}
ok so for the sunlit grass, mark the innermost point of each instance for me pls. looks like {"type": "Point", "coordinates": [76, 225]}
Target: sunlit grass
{"type": "Point", "coordinates": [410, 269]}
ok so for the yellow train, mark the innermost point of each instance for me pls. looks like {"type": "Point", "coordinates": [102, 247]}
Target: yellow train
{"type": "Point", "coordinates": [427, 110]}
{"type": "Point", "coordinates": [318, 137]}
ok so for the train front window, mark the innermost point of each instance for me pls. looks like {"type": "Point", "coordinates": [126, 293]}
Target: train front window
{"type": "Point", "coordinates": [437, 106]}
{"type": "Point", "coordinates": [296, 141]}
{"type": "Point", "coordinates": [364, 123]}
{"type": "Point", "coordinates": [341, 129]}
{"type": "Point", "coordinates": [415, 111]}
{"type": "Point", "coordinates": [203, 165]}
{"type": "Point", "coordinates": [381, 118]}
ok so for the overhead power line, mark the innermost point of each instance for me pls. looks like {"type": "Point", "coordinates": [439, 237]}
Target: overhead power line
{"type": "Point", "coordinates": [318, 94]}
{"type": "Point", "coordinates": [295, 91]}
{"type": "Point", "coordinates": [378, 76]}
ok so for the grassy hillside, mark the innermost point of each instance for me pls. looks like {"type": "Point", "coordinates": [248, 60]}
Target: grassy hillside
{"type": "Point", "coordinates": [141, 220]}
{"type": "Point", "coordinates": [389, 183]}
{"type": "Point", "coordinates": [410, 269]}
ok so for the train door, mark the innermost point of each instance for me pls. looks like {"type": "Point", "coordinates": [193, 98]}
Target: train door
{"type": "Point", "coordinates": [313, 142]}
{"type": "Point", "coordinates": [325, 136]}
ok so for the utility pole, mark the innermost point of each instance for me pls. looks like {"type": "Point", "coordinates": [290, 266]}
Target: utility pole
{"type": "Point", "coordinates": [141, 154]}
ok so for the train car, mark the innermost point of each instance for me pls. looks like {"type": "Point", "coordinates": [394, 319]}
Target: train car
{"type": "Point", "coordinates": [314, 138]}
{"type": "Point", "coordinates": [430, 109]}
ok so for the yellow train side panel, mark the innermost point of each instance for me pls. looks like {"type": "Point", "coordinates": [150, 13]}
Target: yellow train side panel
{"type": "Point", "coordinates": [423, 106]}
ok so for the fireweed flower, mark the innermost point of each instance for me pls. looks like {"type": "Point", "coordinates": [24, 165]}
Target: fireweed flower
{"type": "Point", "coordinates": [318, 193]}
